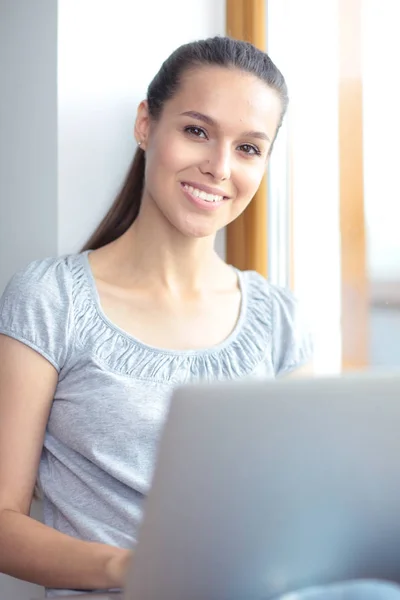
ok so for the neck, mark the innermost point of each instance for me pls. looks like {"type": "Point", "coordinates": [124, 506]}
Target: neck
{"type": "Point", "coordinates": [152, 249]}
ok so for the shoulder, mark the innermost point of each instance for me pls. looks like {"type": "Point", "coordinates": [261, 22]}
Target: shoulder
{"type": "Point", "coordinates": [48, 272]}
{"type": "Point", "coordinates": [47, 282]}
{"type": "Point", "coordinates": [36, 306]}
{"type": "Point", "coordinates": [278, 299]}
{"type": "Point", "coordinates": [288, 322]}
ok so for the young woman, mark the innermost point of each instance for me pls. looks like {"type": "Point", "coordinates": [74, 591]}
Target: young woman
{"type": "Point", "coordinates": [92, 344]}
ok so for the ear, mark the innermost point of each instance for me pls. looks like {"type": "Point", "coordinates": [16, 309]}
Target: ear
{"type": "Point", "coordinates": [142, 124]}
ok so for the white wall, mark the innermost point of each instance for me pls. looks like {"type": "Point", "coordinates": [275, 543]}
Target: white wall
{"type": "Point", "coordinates": [312, 78]}
{"type": "Point", "coordinates": [67, 135]}
{"type": "Point", "coordinates": [381, 98]}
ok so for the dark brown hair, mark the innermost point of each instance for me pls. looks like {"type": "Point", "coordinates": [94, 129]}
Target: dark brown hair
{"type": "Point", "coordinates": [217, 51]}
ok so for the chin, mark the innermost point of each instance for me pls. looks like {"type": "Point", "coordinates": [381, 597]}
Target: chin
{"type": "Point", "coordinates": [193, 229]}
{"type": "Point", "coordinates": [198, 233]}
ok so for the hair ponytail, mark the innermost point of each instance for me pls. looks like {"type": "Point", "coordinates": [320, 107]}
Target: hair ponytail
{"type": "Point", "coordinates": [125, 208]}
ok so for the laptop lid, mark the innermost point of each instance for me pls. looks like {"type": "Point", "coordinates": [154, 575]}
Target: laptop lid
{"type": "Point", "coordinates": [261, 488]}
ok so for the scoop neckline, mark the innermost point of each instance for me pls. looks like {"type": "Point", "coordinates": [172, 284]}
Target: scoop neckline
{"type": "Point", "coordinates": [229, 340]}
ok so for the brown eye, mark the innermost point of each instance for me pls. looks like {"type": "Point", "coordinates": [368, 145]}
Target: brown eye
{"type": "Point", "coordinates": [250, 149]}
{"type": "Point", "coordinates": [196, 131]}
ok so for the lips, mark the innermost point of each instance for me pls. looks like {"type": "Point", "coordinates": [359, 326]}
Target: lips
{"type": "Point", "coordinates": [201, 187]}
{"type": "Point", "coordinates": [202, 201]}
{"type": "Point", "coordinates": [197, 193]}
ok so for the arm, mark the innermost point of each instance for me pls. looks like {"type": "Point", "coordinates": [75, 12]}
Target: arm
{"type": "Point", "coordinates": [30, 550]}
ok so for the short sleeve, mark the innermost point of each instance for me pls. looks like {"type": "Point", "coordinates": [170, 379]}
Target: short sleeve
{"type": "Point", "coordinates": [36, 309]}
{"type": "Point", "coordinates": [292, 344]}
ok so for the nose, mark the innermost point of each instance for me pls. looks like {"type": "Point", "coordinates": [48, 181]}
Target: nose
{"type": "Point", "coordinates": [218, 162]}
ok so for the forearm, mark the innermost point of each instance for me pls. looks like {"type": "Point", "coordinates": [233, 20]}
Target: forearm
{"type": "Point", "coordinates": [37, 553]}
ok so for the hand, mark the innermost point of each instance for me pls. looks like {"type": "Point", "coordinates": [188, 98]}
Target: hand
{"type": "Point", "coordinates": [117, 567]}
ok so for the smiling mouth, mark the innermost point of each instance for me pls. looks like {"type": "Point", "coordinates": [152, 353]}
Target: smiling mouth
{"type": "Point", "coordinates": [197, 193]}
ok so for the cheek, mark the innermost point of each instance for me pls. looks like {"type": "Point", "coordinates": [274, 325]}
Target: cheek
{"type": "Point", "coordinates": [249, 180]}
{"type": "Point", "coordinates": [170, 156]}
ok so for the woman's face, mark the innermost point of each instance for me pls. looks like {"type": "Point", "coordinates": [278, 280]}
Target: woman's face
{"type": "Point", "coordinates": [207, 154]}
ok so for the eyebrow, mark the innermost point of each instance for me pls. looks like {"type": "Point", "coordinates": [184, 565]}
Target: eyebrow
{"type": "Point", "coordinates": [261, 135]}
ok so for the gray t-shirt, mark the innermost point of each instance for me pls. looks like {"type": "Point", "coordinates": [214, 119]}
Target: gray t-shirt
{"type": "Point", "coordinates": [113, 390]}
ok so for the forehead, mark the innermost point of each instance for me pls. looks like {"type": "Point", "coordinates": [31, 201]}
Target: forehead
{"type": "Point", "coordinates": [229, 96]}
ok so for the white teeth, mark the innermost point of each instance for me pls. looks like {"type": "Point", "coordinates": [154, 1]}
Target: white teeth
{"type": "Point", "coordinates": [203, 195]}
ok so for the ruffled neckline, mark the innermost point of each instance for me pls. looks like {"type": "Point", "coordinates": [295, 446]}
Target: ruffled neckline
{"type": "Point", "coordinates": [235, 357]}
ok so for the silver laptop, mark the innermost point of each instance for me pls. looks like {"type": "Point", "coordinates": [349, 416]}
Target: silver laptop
{"type": "Point", "coordinates": [262, 488]}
